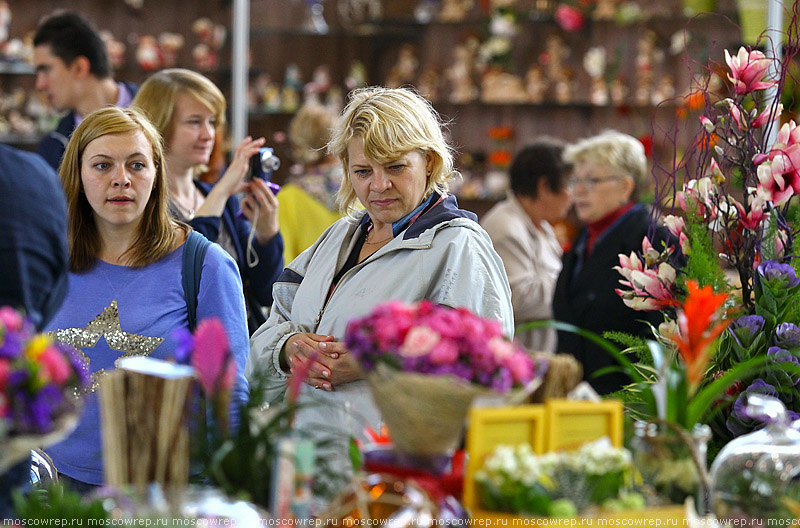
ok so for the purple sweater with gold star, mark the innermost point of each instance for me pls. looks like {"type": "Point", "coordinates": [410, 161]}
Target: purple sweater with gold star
{"type": "Point", "coordinates": [136, 310]}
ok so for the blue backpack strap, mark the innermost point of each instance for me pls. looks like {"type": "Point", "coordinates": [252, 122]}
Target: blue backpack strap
{"type": "Point", "coordinates": [194, 252]}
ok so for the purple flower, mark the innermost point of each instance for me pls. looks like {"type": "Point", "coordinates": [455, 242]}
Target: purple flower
{"type": "Point", "coordinates": [779, 275]}
{"type": "Point", "coordinates": [79, 365]}
{"type": "Point", "coordinates": [746, 329]}
{"type": "Point", "coordinates": [184, 345]}
{"type": "Point", "coordinates": [787, 335]}
{"type": "Point", "coordinates": [740, 421]}
{"type": "Point", "coordinates": [34, 414]}
{"type": "Point", "coordinates": [777, 354]}
{"type": "Point", "coordinates": [11, 347]}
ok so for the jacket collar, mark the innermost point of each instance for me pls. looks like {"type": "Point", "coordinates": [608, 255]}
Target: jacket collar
{"type": "Point", "coordinates": [438, 208]}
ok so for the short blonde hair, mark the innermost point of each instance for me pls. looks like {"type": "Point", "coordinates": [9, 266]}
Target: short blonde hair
{"type": "Point", "coordinates": [157, 234]}
{"type": "Point", "coordinates": [391, 122]}
{"type": "Point", "coordinates": [158, 97]}
{"type": "Point", "coordinates": [309, 132]}
{"type": "Point", "coordinates": [616, 150]}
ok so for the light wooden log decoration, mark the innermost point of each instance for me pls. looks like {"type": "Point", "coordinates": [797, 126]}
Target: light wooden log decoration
{"type": "Point", "coordinates": [144, 405]}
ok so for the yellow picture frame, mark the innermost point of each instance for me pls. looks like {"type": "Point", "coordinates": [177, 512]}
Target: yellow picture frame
{"type": "Point", "coordinates": [571, 424]}
{"type": "Point", "coordinates": [490, 427]}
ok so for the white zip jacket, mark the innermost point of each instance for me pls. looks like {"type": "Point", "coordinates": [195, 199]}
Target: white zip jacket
{"type": "Point", "coordinates": [444, 256]}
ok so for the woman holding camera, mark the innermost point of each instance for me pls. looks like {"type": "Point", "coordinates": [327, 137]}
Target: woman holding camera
{"type": "Point", "coordinates": [189, 111]}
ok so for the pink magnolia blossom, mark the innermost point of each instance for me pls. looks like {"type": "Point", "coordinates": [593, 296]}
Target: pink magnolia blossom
{"type": "Point", "coordinates": [736, 114]}
{"type": "Point", "coordinates": [211, 357]}
{"type": "Point", "coordinates": [768, 116]}
{"type": "Point", "coordinates": [752, 219]}
{"type": "Point", "coordinates": [748, 69]}
{"type": "Point", "coordinates": [569, 18]}
{"type": "Point", "coordinates": [649, 288]}
{"type": "Point", "coordinates": [55, 365]}
{"type": "Point", "coordinates": [676, 225]}
{"type": "Point", "coordinates": [419, 341]}
{"type": "Point", "coordinates": [779, 177]}
{"type": "Point", "coordinates": [707, 124]}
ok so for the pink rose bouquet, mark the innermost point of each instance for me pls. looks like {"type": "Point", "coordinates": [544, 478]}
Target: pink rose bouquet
{"type": "Point", "coordinates": [427, 338]}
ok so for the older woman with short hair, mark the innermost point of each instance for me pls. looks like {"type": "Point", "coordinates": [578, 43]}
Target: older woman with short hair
{"type": "Point", "coordinates": [610, 171]}
{"type": "Point", "coordinates": [409, 242]}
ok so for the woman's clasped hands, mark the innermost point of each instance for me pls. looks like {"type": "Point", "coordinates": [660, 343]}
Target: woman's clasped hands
{"type": "Point", "coordinates": [330, 362]}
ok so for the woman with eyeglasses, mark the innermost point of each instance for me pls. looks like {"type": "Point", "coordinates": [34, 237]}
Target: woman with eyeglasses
{"type": "Point", "coordinates": [610, 170]}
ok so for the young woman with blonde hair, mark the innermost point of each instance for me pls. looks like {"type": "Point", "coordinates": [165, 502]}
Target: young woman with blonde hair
{"type": "Point", "coordinates": [189, 111]}
{"type": "Point", "coordinates": [125, 295]}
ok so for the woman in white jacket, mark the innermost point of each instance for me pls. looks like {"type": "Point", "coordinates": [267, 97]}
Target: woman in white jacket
{"type": "Point", "coordinates": [409, 242]}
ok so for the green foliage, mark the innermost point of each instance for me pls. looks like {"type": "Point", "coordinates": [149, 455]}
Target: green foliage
{"type": "Point", "coordinates": [242, 464]}
{"type": "Point", "coordinates": [768, 249]}
{"type": "Point", "coordinates": [702, 264]}
{"type": "Point", "coordinates": [56, 502]}
{"type": "Point", "coordinates": [631, 345]}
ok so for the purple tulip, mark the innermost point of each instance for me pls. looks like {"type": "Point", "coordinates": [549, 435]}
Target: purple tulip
{"type": "Point", "coordinates": [783, 274]}
{"type": "Point", "coordinates": [746, 329]}
{"type": "Point", "coordinates": [787, 335]}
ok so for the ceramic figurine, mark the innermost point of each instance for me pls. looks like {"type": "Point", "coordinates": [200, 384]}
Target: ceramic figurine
{"type": "Point", "coordinates": [454, 10]}
{"type": "Point", "coordinates": [116, 49]}
{"type": "Point", "coordinates": [357, 77]}
{"type": "Point", "coordinates": [148, 55]}
{"type": "Point", "coordinates": [171, 44]}
{"type": "Point", "coordinates": [605, 10]}
{"type": "Point", "coordinates": [353, 12]}
{"type": "Point", "coordinates": [535, 84]}
{"type": "Point", "coordinates": [428, 84]}
{"type": "Point", "coordinates": [205, 58]}
{"type": "Point", "coordinates": [459, 74]}
{"type": "Point", "coordinates": [664, 90]}
{"type": "Point", "coordinates": [502, 87]}
{"type": "Point", "coordinates": [272, 97]}
{"type": "Point", "coordinates": [598, 94]}
{"type": "Point", "coordinates": [335, 99]}
{"type": "Point", "coordinates": [618, 91]}
{"type": "Point", "coordinates": [405, 69]}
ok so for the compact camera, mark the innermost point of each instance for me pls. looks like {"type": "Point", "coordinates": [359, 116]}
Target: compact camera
{"type": "Point", "coordinates": [263, 164]}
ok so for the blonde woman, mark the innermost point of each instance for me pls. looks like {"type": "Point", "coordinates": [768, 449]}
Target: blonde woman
{"type": "Point", "coordinates": [308, 200]}
{"type": "Point", "coordinates": [409, 242]}
{"type": "Point", "coordinates": [125, 295]}
{"type": "Point", "coordinates": [189, 111]}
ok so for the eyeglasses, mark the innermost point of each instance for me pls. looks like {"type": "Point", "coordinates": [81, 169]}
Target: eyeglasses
{"type": "Point", "coordinates": [588, 183]}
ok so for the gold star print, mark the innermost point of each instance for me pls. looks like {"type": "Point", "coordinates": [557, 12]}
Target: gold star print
{"type": "Point", "coordinates": [107, 324]}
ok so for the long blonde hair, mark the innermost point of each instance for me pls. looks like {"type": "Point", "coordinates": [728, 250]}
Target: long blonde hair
{"type": "Point", "coordinates": [157, 234]}
{"type": "Point", "coordinates": [158, 97]}
{"type": "Point", "coordinates": [392, 122]}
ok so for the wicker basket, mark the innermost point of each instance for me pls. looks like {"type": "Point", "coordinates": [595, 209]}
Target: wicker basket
{"type": "Point", "coordinates": [424, 414]}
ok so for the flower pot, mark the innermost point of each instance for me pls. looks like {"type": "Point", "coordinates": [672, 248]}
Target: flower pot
{"type": "Point", "coordinates": [672, 461]}
{"type": "Point", "coordinates": [424, 414]}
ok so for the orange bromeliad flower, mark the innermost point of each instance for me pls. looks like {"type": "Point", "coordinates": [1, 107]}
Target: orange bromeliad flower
{"type": "Point", "coordinates": [697, 328]}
